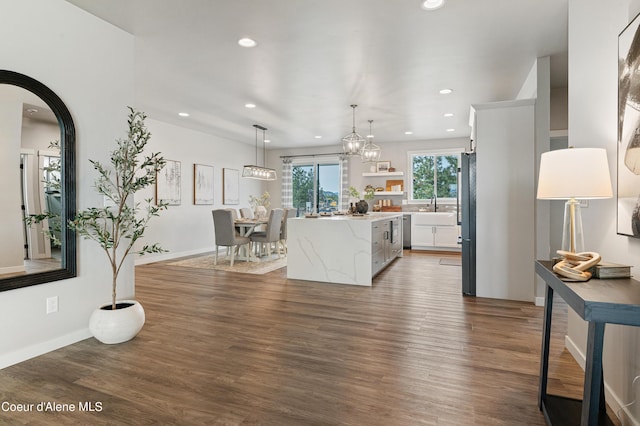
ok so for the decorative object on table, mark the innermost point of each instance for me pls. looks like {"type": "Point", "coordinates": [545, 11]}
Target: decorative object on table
{"type": "Point", "coordinates": [628, 197]}
{"type": "Point", "coordinates": [202, 184]}
{"type": "Point", "coordinates": [383, 166]}
{"type": "Point", "coordinates": [392, 169]}
{"type": "Point", "coordinates": [574, 174]}
{"type": "Point", "coordinates": [606, 270]}
{"type": "Point", "coordinates": [379, 189]}
{"type": "Point", "coordinates": [370, 151]}
{"type": "Point", "coordinates": [116, 227]}
{"type": "Point", "coordinates": [352, 143]}
{"type": "Point", "coordinates": [361, 206]}
{"type": "Point", "coordinates": [168, 184]}
{"type": "Point", "coordinates": [576, 266]}
{"type": "Point", "coordinates": [260, 205]}
{"type": "Point", "coordinates": [230, 186]}
{"type": "Point", "coordinates": [255, 171]}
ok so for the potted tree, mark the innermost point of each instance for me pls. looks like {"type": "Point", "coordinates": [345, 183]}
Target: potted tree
{"type": "Point", "coordinates": [118, 225]}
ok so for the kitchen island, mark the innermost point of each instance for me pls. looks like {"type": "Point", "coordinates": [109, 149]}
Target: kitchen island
{"type": "Point", "coordinates": [343, 249]}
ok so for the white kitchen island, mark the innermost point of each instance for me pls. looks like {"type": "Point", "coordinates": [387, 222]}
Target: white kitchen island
{"type": "Point", "coordinates": [343, 249]}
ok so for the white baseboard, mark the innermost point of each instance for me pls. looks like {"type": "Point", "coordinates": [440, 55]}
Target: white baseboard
{"type": "Point", "coordinates": [12, 269]}
{"type": "Point", "coordinates": [539, 301]}
{"type": "Point", "coordinates": [143, 260]}
{"type": "Point", "coordinates": [38, 349]}
{"type": "Point", "coordinates": [611, 397]}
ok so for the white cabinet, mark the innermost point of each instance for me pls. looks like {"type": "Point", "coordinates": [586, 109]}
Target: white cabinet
{"type": "Point", "coordinates": [434, 231]}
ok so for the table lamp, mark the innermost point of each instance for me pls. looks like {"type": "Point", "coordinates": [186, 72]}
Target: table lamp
{"type": "Point", "coordinates": [574, 174]}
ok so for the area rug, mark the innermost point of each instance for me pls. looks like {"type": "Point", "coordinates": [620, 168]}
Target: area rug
{"type": "Point", "coordinates": [451, 261]}
{"type": "Point", "coordinates": [263, 266]}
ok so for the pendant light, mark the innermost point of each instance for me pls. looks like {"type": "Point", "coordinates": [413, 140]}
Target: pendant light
{"type": "Point", "coordinates": [255, 171]}
{"type": "Point", "coordinates": [352, 143]}
{"type": "Point", "coordinates": [370, 151]}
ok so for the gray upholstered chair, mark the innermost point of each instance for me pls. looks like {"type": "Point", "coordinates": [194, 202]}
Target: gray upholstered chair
{"type": "Point", "coordinates": [288, 213]}
{"type": "Point", "coordinates": [272, 233]}
{"type": "Point", "coordinates": [234, 213]}
{"type": "Point", "coordinates": [246, 213]}
{"type": "Point", "coordinates": [225, 233]}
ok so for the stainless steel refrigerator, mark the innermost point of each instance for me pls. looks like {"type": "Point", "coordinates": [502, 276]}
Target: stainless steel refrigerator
{"type": "Point", "coordinates": [467, 220]}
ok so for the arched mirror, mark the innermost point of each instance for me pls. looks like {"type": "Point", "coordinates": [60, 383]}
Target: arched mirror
{"type": "Point", "coordinates": [37, 137]}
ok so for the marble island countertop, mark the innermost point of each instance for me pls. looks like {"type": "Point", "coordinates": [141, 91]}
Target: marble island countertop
{"type": "Point", "coordinates": [343, 249]}
{"type": "Point", "coordinates": [371, 217]}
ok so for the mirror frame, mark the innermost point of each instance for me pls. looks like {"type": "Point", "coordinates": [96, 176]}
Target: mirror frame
{"type": "Point", "coordinates": [67, 155]}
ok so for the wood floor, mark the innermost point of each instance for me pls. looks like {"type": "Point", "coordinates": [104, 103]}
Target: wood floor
{"type": "Point", "coordinates": [237, 349]}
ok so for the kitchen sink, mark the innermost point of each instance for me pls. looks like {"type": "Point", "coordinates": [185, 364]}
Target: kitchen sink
{"type": "Point", "coordinates": [434, 218]}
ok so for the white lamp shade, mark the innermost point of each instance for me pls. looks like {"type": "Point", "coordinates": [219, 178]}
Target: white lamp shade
{"type": "Point", "coordinates": [580, 173]}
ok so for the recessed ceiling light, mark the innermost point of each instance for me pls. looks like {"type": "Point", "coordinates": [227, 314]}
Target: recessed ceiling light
{"type": "Point", "coordinates": [445, 91]}
{"type": "Point", "coordinates": [448, 114]}
{"type": "Point", "coordinates": [432, 4]}
{"type": "Point", "coordinates": [408, 133]}
{"type": "Point", "coordinates": [247, 42]}
{"type": "Point", "coordinates": [250, 105]}
{"type": "Point", "coordinates": [451, 130]}
{"type": "Point", "coordinates": [267, 140]}
{"type": "Point", "coordinates": [318, 137]}
{"type": "Point", "coordinates": [183, 114]}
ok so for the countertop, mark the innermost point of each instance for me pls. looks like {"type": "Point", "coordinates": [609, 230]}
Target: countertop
{"type": "Point", "coordinates": [370, 217]}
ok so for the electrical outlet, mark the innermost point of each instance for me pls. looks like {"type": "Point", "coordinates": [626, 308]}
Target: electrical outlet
{"type": "Point", "coordinates": [52, 304]}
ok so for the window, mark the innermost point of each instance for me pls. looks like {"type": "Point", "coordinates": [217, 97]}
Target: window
{"type": "Point", "coordinates": [433, 175]}
{"type": "Point", "coordinates": [316, 185]}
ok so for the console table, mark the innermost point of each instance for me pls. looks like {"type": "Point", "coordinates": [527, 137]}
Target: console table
{"type": "Point", "coordinates": [598, 301]}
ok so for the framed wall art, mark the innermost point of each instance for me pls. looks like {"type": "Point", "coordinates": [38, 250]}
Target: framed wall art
{"type": "Point", "coordinates": [628, 147]}
{"type": "Point", "coordinates": [202, 184]}
{"type": "Point", "coordinates": [168, 182]}
{"type": "Point", "coordinates": [383, 166]}
{"type": "Point", "coordinates": [230, 186]}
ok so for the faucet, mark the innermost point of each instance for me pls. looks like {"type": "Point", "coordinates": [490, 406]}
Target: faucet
{"type": "Point", "coordinates": [434, 203]}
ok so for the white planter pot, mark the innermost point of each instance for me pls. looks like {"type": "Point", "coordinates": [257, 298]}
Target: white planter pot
{"type": "Point", "coordinates": [117, 326]}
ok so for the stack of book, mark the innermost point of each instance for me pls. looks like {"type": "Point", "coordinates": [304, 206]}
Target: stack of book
{"type": "Point", "coordinates": [606, 270]}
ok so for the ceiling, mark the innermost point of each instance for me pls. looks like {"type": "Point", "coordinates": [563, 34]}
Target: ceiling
{"type": "Point", "coordinates": [316, 57]}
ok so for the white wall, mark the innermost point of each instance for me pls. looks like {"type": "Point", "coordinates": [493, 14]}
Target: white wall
{"type": "Point", "coordinates": [89, 64]}
{"type": "Point", "coordinates": [187, 228]}
{"type": "Point", "coordinates": [11, 254]}
{"type": "Point", "coordinates": [505, 220]}
{"type": "Point", "coordinates": [593, 68]}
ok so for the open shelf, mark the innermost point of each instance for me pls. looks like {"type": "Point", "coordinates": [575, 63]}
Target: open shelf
{"type": "Point", "coordinates": [383, 174]}
{"type": "Point", "coordinates": [388, 193]}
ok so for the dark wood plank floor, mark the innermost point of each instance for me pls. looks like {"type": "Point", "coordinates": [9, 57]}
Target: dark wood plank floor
{"type": "Point", "coordinates": [238, 349]}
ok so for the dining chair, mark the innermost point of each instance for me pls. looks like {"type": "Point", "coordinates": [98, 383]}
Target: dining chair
{"type": "Point", "coordinates": [288, 213]}
{"type": "Point", "coordinates": [246, 213]}
{"type": "Point", "coordinates": [225, 233]}
{"type": "Point", "coordinates": [271, 234]}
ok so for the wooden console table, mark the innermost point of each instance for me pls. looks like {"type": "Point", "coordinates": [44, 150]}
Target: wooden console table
{"type": "Point", "coordinates": [613, 301]}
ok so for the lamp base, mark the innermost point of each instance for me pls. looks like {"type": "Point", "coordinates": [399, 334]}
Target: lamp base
{"type": "Point", "coordinates": [572, 236]}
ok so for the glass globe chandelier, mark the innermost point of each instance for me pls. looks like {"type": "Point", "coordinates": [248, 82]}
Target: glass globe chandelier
{"type": "Point", "coordinates": [352, 143]}
{"type": "Point", "coordinates": [370, 151]}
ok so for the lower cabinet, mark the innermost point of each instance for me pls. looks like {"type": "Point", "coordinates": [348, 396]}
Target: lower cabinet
{"type": "Point", "coordinates": [428, 237]}
{"type": "Point", "coordinates": [386, 243]}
